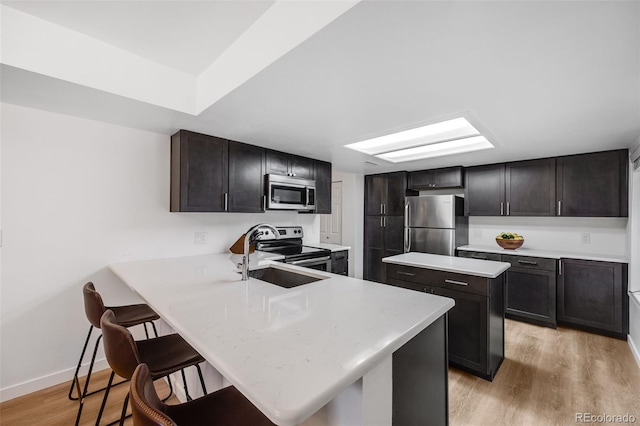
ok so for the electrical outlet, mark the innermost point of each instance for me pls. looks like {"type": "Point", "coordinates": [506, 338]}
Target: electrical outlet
{"type": "Point", "coordinates": [586, 238]}
{"type": "Point", "coordinates": [200, 238]}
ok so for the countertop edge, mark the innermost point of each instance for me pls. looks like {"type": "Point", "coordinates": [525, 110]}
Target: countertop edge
{"type": "Point", "coordinates": [446, 268]}
{"type": "Point", "coordinates": [551, 254]}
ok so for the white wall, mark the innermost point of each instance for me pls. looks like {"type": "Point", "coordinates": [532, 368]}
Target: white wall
{"type": "Point", "coordinates": [77, 196]}
{"type": "Point", "coordinates": [352, 218]}
{"type": "Point", "coordinates": [608, 235]}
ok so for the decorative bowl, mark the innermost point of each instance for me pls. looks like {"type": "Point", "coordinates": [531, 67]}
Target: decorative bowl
{"type": "Point", "coordinates": [509, 244]}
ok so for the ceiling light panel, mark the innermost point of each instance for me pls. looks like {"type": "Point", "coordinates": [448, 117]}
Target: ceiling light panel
{"type": "Point", "coordinates": [446, 130]}
{"type": "Point", "coordinates": [439, 149]}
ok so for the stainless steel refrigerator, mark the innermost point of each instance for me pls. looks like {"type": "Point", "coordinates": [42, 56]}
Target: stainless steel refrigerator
{"type": "Point", "coordinates": [435, 224]}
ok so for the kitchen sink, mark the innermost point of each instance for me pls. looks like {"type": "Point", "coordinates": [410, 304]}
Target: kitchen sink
{"type": "Point", "coordinates": [282, 278]}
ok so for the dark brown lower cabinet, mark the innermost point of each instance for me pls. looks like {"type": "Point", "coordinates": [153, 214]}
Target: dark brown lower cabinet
{"type": "Point", "coordinates": [383, 237]}
{"type": "Point", "coordinates": [530, 290]}
{"type": "Point", "coordinates": [476, 322]}
{"type": "Point", "coordinates": [340, 262]}
{"type": "Point", "coordinates": [593, 295]}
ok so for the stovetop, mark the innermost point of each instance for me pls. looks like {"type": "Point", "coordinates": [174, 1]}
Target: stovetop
{"type": "Point", "coordinates": [289, 244]}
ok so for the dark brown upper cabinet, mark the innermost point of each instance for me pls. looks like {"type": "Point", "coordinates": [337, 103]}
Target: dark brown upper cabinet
{"type": "Point", "coordinates": [450, 177]}
{"type": "Point", "coordinates": [246, 178]}
{"type": "Point", "coordinates": [484, 190]}
{"type": "Point", "coordinates": [594, 184]}
{"type": "Point", "coordinates": [199, 178]}
{"type": "Point", "coordinates": [323, 187]}
{"type": "Point", "coordinates": [384, 194]}
{"type": "Point", "coordinates": [530, 188]}
{"type": "Point", "coordinates": [211, 174]}
{"type": "Point", "coordinates": [281, 163]}
{"type": "Point", "coordinates": [523, 188]}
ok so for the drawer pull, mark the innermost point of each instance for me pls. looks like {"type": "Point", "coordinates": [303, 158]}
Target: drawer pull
{"type": "Point", "coordinates": [475, 256]}
{"type": "Point", "coordinates": [455, 282]}
{"type": "Point", "coordinates": [409, 274]}
{"type": "Point", "coordinates": [527, 262]}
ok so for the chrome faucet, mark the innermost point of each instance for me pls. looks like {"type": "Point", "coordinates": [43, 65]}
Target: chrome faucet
{"type": "Point", "coordinates": [247, 237]}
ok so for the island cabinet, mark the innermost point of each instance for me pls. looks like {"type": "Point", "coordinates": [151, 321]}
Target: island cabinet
{"type": "Point", "coordinates": [449, 177]}
{"type": "Point", "coordinates": [281, 163]}
{"type": "Point", "coordinates": [593, 295]}
{"type": "Point", "coordinates": [476, 322]}
{"type": "Point", "coordinates": [211, 174]}
{"type": "Point", "coordinates": [524, 188]}
{"type": "Point", "coordinates": [383, 222]}
{"type": "Point", "coordinates": [594, 184]}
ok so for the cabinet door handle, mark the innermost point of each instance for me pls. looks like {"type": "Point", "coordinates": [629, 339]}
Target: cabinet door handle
{"type": "Point", "coordinates": [381, 224]}
{"type": "Point", "coordinates": [409, 274]}
{"type": "Point", "coordinates": [226, 201]}
{"type": "Point", "coordinates": [264, 202]}
{"type": "Point", "coordinates": [384, 221]}
{"type": "Point", "coordinates": [527, 262]}
{"type": "Point", "coordinates": [384, 208]}
{"type": "Point", "coordinates": [501, 208]}
{"type": "Point", "coordinates": [560, 267]}
{"type": "Point", "coordinates": [455, 282]}
{"type": "Point", "coordinates": [381, 208]}
{"type": "Point", "coordinates": [559, 208]}
{"type": "Point", "coordinates": [508, 209]}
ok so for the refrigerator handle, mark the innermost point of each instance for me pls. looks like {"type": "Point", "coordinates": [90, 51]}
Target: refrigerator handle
{"type": "Point", "coordinates": [407, 240]}
{"type": "Point", "coordinates": [406, 214]}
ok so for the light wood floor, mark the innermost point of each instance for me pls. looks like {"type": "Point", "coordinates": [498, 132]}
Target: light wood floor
{"type": "Point", "coordinates": [547, 377]}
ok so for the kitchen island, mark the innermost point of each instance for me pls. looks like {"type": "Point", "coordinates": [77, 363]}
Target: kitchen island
{"type": "Point", "coordinates": [336, 351]}
{"type": "Point", "coordinates": [476, 323]}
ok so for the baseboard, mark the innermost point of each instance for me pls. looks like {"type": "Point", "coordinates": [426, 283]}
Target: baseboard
{"type": "Point", "coordinates": [39, 383]}
{"type": "Point", "coordinates": [634, 350]}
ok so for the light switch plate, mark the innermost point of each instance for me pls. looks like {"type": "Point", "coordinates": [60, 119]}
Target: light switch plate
{"type": "Point", "coordinates": [586, 238]}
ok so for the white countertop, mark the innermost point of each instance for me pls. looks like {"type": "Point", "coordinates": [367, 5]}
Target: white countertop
{"type": "Point", "coordinates": [460, 265]}
{"type": "Point", "coordinates": [552, 254]}
{"type": "Point", "coordinates": [328, 246]}
{"type": "Point", "coordinates": [289, 351]}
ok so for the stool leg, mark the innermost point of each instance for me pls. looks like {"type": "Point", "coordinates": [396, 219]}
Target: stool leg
{"type": "Point", "coordinates": [104, 400]}
{"type": "Point", "coordinates": [154, 328]}
{"type": "Point", "coordinates": [204, 388]}
{"type": "Point", "coordinates": [146, 332]}
{"type": "Point", "coordinates": [75, 375]}
{"type": "Point", "coordinates": [124, 409]}
{"type": "Point", "coordinates": [186, 389]}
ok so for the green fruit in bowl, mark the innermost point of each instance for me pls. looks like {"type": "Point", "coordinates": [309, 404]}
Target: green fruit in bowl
{"type": "Point", "coordinates": [509, 236]}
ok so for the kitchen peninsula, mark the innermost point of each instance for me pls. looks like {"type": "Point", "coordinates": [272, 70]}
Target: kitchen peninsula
{"type": "Point", "coordinates": [336, 351]}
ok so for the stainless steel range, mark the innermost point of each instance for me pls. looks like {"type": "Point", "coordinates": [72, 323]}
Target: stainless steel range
{"type": "Point", "coordinates": [290, 246]}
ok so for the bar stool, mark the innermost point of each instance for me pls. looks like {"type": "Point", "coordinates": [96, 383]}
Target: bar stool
{"type": "Point", "coordinates": [224, 407]}
{"type": "Point", "coordinates": [127, 316]}
{"type": "Point", "coordinates": [163, 355]}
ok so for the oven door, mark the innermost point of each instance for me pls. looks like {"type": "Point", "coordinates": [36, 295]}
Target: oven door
{"type": "Point", "coordinates": [318, 263]}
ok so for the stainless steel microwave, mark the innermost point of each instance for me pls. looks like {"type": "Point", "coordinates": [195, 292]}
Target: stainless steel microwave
{"type": "Point", "coordinates": [290, 193]}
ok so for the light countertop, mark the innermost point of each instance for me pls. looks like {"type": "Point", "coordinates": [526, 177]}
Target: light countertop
{"type": "Point", "coordinates": [552, 254]}
{"type": "Point", "coordinates": [328, 246]}
{"type": "Point", "coordinates": [460, 265]}
{"type": "Point", "coordinates": [289, 351]}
